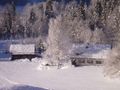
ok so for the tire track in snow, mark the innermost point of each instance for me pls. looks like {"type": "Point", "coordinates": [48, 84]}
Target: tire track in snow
{"type": "Point", "coordinates": [8, 80]}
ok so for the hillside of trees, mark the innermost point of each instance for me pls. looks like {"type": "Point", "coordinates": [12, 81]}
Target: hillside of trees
{"type": "Point", "coordinates": [84, 23]}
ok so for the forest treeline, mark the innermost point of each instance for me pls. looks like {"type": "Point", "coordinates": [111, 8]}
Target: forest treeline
{"type": "Point", "coordinates": [95, 22]}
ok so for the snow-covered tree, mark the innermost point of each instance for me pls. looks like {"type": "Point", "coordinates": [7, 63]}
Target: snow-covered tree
{"type": "Point", "coordinates": [34, 20]}
{"type": "Point", "coordinates": [58, 43]}
{"type": "Point", "coordinates": [74, 16]}
{"type": "Point", "coordinates": [9, 14]}
{"type": "Point", "coordinates": [112, 64]}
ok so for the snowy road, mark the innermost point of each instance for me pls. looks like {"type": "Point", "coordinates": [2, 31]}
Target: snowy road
{"type": "Point", "coordinates": [82, 78]}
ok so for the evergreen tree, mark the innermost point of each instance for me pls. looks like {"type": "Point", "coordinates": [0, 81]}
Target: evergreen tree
{"type": "Point", "coordinates": [32, 18]}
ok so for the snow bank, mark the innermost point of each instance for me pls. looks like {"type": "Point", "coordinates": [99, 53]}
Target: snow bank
{"type": "Point", "coordinates": [37, 60]}
{"type": "Point", "coordinates": [22, 60]}
{"type": "Point", "coordinates": [44, 65]}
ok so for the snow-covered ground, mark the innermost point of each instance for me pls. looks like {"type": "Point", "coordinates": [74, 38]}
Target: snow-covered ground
{"type": "Point", "coordinates": [25, 76]}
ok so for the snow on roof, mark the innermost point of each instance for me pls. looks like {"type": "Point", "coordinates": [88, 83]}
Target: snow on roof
{"type": "Point", "coordinates": [99, 51]}
{"type": "Point", "coordinates": [22, 48]}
